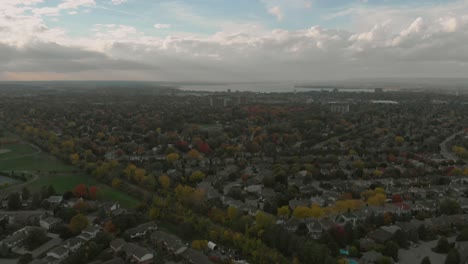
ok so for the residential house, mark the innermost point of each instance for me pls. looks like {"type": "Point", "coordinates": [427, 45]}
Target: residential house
{"type": "Point", "coordinates": [168, 242]}
{"type": "Point", "coordinates": [382, 234]}
{"type": "Point", "coordinates": [18, 237]}
{"type": "Point", "coordinates": [89, 233]}
{"type": "Point", "coordinates": [117, 244]}
{"type": "Point", "coordinates": [73, 244]}
{"type": "Point", "coordinates": [195, 257]}
{"type": "Point", "coordinates": [137, 254]}
{"type": "Point", "coordinates": [370, 257]}
{"type": "Point", "coordinates": [58, 253]}
{"type": "Point", "coordinates": [315, 228]}
{"type": "Point", "coordinates": [366, 244]}
{"type": "Point", "coordinates": [294, 203]}
{"type": "Point", "coordinates": [55, 199]}
{"type": "Point", "coordinates": [49, 222]}
{"type": "Point", "coordinates": [141, 230]}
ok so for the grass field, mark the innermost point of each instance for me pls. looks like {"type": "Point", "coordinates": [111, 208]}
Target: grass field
{"type": "Point", "coordinates": [24, 157]}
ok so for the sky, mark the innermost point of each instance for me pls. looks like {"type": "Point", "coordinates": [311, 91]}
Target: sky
{"type": "Point", "coordinates": [227, 40]}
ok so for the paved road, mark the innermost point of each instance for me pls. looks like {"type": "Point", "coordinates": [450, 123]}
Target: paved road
{"type": "Point", "coordinates": [415, 255]}
{"type": "Point", "coordinates": [8, 261]}
{"type": "Point", "coordinates": [447, 153]}
{"type": "Point", "coordinates": [21, 185]}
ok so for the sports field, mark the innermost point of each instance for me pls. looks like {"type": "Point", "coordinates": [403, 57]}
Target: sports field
{"type": "Point", "coordinates": [24, 157]}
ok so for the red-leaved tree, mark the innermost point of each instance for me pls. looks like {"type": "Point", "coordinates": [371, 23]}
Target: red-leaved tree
{"type": "Point", "coordinates": [80, 191]}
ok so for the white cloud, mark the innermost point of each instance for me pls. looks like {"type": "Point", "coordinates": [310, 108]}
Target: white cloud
{"type": "Point", "coordinates": [382, 42]}
{"type": "Point", "coordinates": [65, 5]}
{"type": "Point", "coordinates": [118, 2]}
{"type": "Point", "coordinates": [277, 12]}
{"type": "Point", "coordinates": [162, 26]}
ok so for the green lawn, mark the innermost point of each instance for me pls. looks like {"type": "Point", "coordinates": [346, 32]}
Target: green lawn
{"type": "Point", "coordinates": [42, 161]}
{"type": "Point", "coordinates": [65, 182]}
{"type": "Point", "coordinates": [17, 150]}
{"type": "Point", "coordinates": [14, 160]}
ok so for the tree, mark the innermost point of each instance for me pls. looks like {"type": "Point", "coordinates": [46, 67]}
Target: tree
{"type": "Point", "coordinates": [284, 211]}
{"type": "Point", "coordinates": [80, 191]}
{"type": "Point", "coordinates": [116, 183]}
{"type": "Point", "coordinates": [172, 157]}
{"type": "Point", "coordinates": [25, 193]}
{"type": "Point", "coordinates": [426, 260]}
{"type": "Point", "coordinates": [385, 260]}
{"type": "Point", "coordinates": [25, 258]}
{"type": "Point", "coordinates": [453, 257]}
{"type": "Point", "coordinates": [193, 154]}
{"type": "Point", "coordinates": [463, 236]}
{"type": "Point", "coordinates": [302, 212]}
{"type": "Point", "coordinates": [396, 198]}
{"type": "Point", "coordinates": [14, 202]}
{"type": "Point", "coordinates": [399, 139]}
{"type": "Point", "coordinates": [391, 250]}
{"type": "Point", "coordinates": [93, 192]}
{"type": "Point", "coordinates": [78, 223]}
{"type": "Point", "coordinates": [263, 220]}
{"type": "Point", "coordinates": [165, 181]}
{"type": "Point", "coordinates": [199, 244]}
{"type": "Point", "coordinates": [197, 176]}
{"type": "Point", "coordinates": [35, 238]}
{"type": "Point", "coordinates": [51, 191]}
{"type": "Point", "coordinates": [443, 246]}
{"type": "Point", "coordinates": [232, 212]}
{"type": "Point", "coordinates": [449, 207]}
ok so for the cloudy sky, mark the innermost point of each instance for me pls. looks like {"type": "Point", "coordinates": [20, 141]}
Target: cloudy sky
{"type": "Point", "coordinates": [227, 40]}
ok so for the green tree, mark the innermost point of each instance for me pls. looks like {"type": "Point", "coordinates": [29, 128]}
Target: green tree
{"type": "Point", "coordinates": [25, 258]}
{"type": "Point", "coordinates": [463, 236]}
{"type": "Point", "coordinates": [453, 257]}
{"type": "Point", "coordinates": [25, 193]}
{"type": "Point", "coordinates": [35, 238]}
{"type": "Point", "coordinates": [385, 260]}
{"type": "Point", "coordinates": [426, 260]}
{"type": "Point", "coordinates": [391, 250]}
{"type": "Point", "coordinates": [14, 202]}
{"type": "Point", "coordinates": [443, 246]}
{"type": "Point", "coordinates": [449, 207]}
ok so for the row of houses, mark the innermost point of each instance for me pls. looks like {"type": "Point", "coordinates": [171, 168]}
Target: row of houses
{"type": "Point", "coordinates": [60, 253]}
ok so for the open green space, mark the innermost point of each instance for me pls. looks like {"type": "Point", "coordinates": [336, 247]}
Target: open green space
{"type": "Point", "coordinates": [17, 150]}
{"type": "Point", "coordinates": [41, 161]}
{"type": "Point", "coordinates": [65, 182]}
{"type": "Point", "coordinates": [24, 157]}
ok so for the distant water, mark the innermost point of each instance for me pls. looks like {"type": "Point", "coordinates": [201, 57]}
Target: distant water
{"type": "Point", "coordinates": [261, 88]}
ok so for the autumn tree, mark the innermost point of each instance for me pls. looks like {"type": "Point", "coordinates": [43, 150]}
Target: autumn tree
{"type": "Point", "coordinates": [197, 176]}
{"type": "Point", "coordinates": [80, 191]}
{"type": "Point", "coordinates": [232, 212]}
{"type": "Point", "coordinates": [116, 183]}
{"type": "Point", "coordinates": [165, 181]}
{"type": "Point", "coordinates": [283, 211]}
{"type": "Point", "coordinates": [93, 192]}
{"type": "Point", "coordinates": [172, 157]}
{"type": "Point", "coordinates": [302, 212]}
{"type": "Point", "coordinates": [193, 154]}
